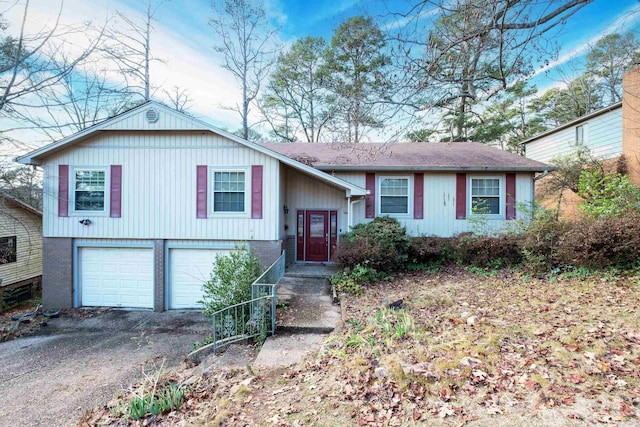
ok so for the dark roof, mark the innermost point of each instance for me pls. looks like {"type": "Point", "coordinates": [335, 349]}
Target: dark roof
{"type": "Point", "coordinates": [457, 156]}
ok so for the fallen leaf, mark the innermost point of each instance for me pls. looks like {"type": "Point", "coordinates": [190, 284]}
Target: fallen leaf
{"type": "Point", "coordinates": [626, 410]}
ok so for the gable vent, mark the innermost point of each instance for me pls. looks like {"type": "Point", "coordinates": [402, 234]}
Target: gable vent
{"type": "Point", "coordinates": [151, 115]}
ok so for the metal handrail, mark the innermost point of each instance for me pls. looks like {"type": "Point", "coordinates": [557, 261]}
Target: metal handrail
{"type": "Point", "coordinates": [247, 319]}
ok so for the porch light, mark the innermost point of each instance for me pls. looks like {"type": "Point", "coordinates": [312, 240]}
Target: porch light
{"type": "Point", "coordinates": [285, 208]}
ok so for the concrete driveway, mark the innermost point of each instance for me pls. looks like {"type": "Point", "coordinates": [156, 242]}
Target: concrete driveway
{"type": "Point", "coordinates": [53, 377]}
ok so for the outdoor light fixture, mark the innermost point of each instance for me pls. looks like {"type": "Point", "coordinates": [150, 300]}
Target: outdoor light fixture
{"type": "Point", "coordinates": [85, 221]}
{"type": "Point", "coordinates": [285, 208]}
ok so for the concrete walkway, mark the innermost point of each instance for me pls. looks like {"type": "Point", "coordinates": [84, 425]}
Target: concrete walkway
{"type": "Point", "coordinates": [309, 314]}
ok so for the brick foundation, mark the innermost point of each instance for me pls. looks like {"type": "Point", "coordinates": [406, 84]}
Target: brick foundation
{"type": "Point", "coordinates": [267, 251]}
{"type": "Point", "coordinates": [57, 273]}
{"type": "Point", "coordinates": [158, 275]}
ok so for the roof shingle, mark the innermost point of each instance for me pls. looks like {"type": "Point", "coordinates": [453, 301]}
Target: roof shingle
{"type": "Point", "coordinates": [457, 156]}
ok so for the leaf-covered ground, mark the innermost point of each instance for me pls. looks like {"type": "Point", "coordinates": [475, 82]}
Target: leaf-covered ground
{"type": "Point", "coordinates": [467, 349]}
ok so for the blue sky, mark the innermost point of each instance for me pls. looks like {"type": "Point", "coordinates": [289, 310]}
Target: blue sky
{"type": "Point", "coordinates": [184, 40]}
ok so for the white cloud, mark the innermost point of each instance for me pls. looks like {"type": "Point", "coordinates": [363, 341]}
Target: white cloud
{"type": "Point", "coordinates": [625, 22]}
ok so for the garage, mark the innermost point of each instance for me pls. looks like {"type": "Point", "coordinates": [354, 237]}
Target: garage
{"type": "Point", "coordinates": [115, 277]}
{"type": "Point", "coordinates": [189, 268]}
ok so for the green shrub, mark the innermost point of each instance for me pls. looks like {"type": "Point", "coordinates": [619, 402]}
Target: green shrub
{"type": "Point", "coordinates": [607, 194]}
{"type": "Point", "coordinates": [230, 281]}
{"type": "Point", "coordinates": [381, 244]}
{"type": "Point", "coordinates": [353, 280]}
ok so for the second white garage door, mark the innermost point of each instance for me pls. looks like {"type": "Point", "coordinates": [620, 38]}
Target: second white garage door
{"type": "Point", "coordinates": [188, 270]}
{"type": "Point", "coordinates": [116, 277]}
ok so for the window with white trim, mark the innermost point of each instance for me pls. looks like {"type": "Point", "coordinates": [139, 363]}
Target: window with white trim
{"type": "Point", "coordinates": [486, 196]}
{"type": "Point", "coordinates": [90, 189]}
{"type": "Point", "coordinates": [394, 195]}
{"type": "Point", "coordinates": [580, 134]}
{"type": "Point", "coordinates": [229, 191]}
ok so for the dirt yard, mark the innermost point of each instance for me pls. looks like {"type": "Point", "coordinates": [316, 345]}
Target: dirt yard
{"type": "Point", "coordinates": [483, 349]}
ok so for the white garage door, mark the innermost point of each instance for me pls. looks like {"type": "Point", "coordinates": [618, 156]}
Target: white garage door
{"type": "Point", "coordinates": [116, 277]}
{"type": "Point", "coordinates": [188, 270]}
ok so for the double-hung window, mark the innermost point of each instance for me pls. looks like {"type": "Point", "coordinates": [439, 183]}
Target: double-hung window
{"type": "Point", "coordinates": [394, 195]}
{"type": "Point", "coordinates": [229, 191]}
{"type": "Point", "coordinates": [89, 189]}
{"type": "Point", "coordinates": [486, 196]}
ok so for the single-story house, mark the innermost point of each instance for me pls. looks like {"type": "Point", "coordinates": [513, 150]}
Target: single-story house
{"type": "Point", "coordinates": [20, 248]}
{"type": "Point", "coordinates": [137, 207]}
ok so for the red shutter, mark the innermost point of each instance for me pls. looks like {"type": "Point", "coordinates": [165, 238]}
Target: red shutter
{"type": "Point", "coordinates": [511, 196]}
{"type": "Point", "coordinates": [418, 196]}
{"type": "Point", "coordinates": [63, 190]}
{"type": "Point", "coordinates": [115, 207]}
{"type": "Point", "coordinates": [370, 199]}
{"type": "Point", "coordinates": [256, 191]}
{"type": "Point", "coordinates": [461, 196]}
{"type": "Point", "coordinates": [201, 191]}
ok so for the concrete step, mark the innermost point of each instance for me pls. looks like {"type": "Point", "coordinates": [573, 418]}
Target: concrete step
{"type": "Point", "coordinates": [309, 313]}
{"type": "Point", "coordinates": [303, 286]}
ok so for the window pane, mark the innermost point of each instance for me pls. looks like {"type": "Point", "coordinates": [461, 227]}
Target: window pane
{"type": "Point", "coordinates": [8, 252]}
{"type": "Point", "coordinates": [485, 187]}
{"type": "Point", "coordinates": [316, 226]}
{"type": "Point", "coordinates": [89, 190]}
{"type": "Point", "coordinates": [390, 204]}
{"type": "Point", "coordinates": [89, 201]}
{"type": "Point", "coordinates": [394, 187]}
{"type": "Point", "coordinates": [228, 190]}
{"type": "Point", "coordinates": [228, 202]}
{"type": "Point", "coordinates": [485, 205]}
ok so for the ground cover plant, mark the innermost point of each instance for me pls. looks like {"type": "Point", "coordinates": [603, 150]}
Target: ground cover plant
{"type": "Point", "coordinates": [467, 349]}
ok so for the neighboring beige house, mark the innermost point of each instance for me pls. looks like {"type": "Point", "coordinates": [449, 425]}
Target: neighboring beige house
{"type": "Point", "coordinates": [607, 134]}
{"type": "Point", "coordinates": [137, 207]}
{"type": "Point", "coordinates": [20, 244]}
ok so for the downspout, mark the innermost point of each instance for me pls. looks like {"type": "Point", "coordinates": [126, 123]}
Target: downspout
{"type": "Point", "coordinates": [349, 213]}
{"type": "Point", "coordinates": [351, 204]}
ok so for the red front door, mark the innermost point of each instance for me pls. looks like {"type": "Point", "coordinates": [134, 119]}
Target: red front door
{"type": "Point", "coordinates": [317, 232]}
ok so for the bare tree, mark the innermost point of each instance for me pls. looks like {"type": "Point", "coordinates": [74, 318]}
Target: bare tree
{"type": "Point", "coordinates": [476, 48]}
{"type": "Point", "coordinates": [245, 41]}
{"type": "Point", "coordinates": [33, 62]}
{"type": "Point", "coordinates": [179, 99]}
{"type": "Point", "coordinates": [130, 49]}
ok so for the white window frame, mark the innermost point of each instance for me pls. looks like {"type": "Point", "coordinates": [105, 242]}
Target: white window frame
{"type": "Point", "coordinates": [107, 191]}
{"type": "Point", "coordinates": [501, 197]}
{"type": "Point", "coordinates": [247, 192]}
{"type": "Point", "coordinates": [583, 130]}
{"type": "Point", "coordinates": [410, 201]}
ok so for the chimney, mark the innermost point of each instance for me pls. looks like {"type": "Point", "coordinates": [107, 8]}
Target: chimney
{"type": "Point", "coordinates": [631, 121]}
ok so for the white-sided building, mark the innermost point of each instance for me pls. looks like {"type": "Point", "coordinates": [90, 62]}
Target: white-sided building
{"type": "Point", "coordinates": [137, 207]}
